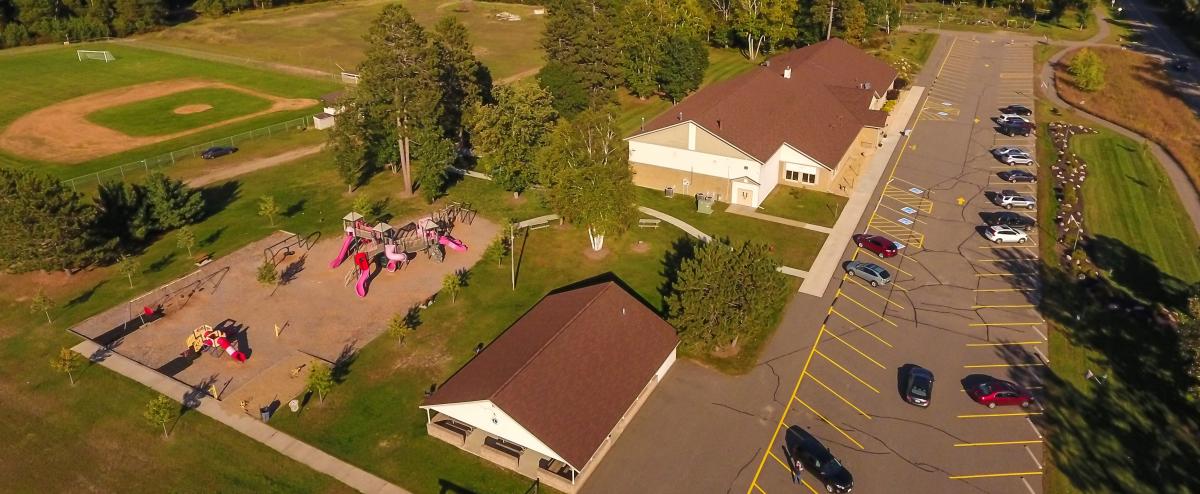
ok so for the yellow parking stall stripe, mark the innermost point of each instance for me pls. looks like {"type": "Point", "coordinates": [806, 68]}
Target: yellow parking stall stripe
{"type": "Point", "coordinates": [889, 222]}
{"type": "Point", "coordinates": [885, 299]}
{"type": "Point", "coordinates": [995, 366]}
{"type": "Point", "coordinates": [980, 324]}
{"type": "Point", "coordinates": [840, 397]}
{"type": "Point", "coordinates": [831, 424]}
{"type": "Point", "coordinates": [898, 179]}
{"type": "Point", "coordinates": [993, 475]}
{"type": "Point", "coordinates": [1013, 306]}
{"type": "Point", "coordinates": [893, 266]}
{"type": "Point", "coordinates": [902, 212]}
{"type": "Point", "coordinates": [861, 328]}
{"type": "Point", "coordinates": [781, 462]}
{"type": "Point", "coordinates": [1001, 443]}
{"type": "Point", "coordinates": [852, 347]}
{"type": "Point", "coordinates": [860, 304]}
{"type": "Point", "coordinates": [856, 378]}
{"type": "Point", "coordinates": [754, 485]}
{"type": "Point", "coordinates": [995, 415]}
{"type": "Point", "coordinates": [1008, 343]}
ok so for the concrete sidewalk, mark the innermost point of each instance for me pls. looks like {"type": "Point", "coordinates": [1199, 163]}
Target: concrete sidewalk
{"type": "Point", "coordinates": [830, 256]}
{"type": "Point", "coordinates": [318, 460]}
{"type": "Point", "coordinates": [682, 225]}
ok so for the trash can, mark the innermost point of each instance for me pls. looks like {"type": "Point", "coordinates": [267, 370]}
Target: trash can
{"type": "Point", "coordinates": [265, 413]}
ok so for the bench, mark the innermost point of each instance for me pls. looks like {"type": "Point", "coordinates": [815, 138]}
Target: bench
{"type": "Point", "coordinates": [203, 259]}
{"type": "Point", "coordinates": [537, 226]}
{"type": "Point", "coordinates": [649, 223]}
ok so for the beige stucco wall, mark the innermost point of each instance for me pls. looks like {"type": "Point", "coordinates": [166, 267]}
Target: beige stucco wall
{"type": "Point", "coordinates": [703, 141]}
{"type": "Point", "coordinates": [841, 180]}
{"type": "Point", "coordinates": [659, 178]}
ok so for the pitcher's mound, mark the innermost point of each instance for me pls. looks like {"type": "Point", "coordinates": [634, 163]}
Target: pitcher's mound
{"type": "Point", "coordinates": [190, 109]}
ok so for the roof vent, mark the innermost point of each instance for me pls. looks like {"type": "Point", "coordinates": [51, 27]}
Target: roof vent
{"type": "Point", "coordinates": [680, 117]}
{"type": "Point", "coordinates": [865, 85]}
{"type": "Point", "coordinates": [787, 72]}
{"type": "Point", "coordinates": [718, 124]}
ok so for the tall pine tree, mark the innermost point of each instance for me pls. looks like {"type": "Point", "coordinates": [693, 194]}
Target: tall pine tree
{"type": "Point", "coordinates": [579, 41]}
{"type": "Point", "coordinates": [44, 225]}
{"type": "Point", "coordinates": [465, 80]}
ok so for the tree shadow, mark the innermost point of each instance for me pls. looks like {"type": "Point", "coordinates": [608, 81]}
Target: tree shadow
{"type": "Point", "coordinates": [217, 197]}
{"type": "Point", "coordinates": [292, 270]}
{"type": "Point", "coordinates": [682, 249]}
{"type": "Point", "coordinates": [212, 237]}
{"type": "Point", "coordinates": [448, 487]}
{"type": "Point", "coordinates": [1113, 435]}
{"type": "Point", "coordinates": [294, 209]}
{"type": "Point", "coordinates": [161, 263]}
{"type": "Point", "coordinates": [191, 399]}
{"type": "Point", "coordinates": [345, 359]}
{"type": "Point", "coordinates": [85, 296]}
{"type": "Point", "coordinates": [1136, 272]}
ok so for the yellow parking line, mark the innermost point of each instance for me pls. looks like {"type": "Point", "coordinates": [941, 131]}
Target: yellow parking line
{"type": "Point", "coordinates": [754, 485]}
{"type": "Point", "coordinates": [893, 266]}
{"type": "Point", "coordinates": [994, 415]}
{"type": "Point", "coordinates": [860, 352]}
{"type": "Point", "coordinates": [994, 366]}
{"type": "Point", "coordinates": [1012, 306]}
{"type": "Point", "coordinates": [856, 302]}
{"type": "Point", "coordinates": [1005, 290]}
{"type": "Point", "coordinates": [1008, 343]}
{"type": "Point", "coordinates": [902, 212]}
{"type": "Point", "coordinates": [991, 475]}
{"type": "Point", "coordinates": [831, 424]}
{"type": "Point", "coordinates": [861, 328]}
{"type": "Point", "coordinates": [979, 324]}
{"type": "Point", "coordinates": [781, 462]}
{"type": "Point", "coordinates": [895, 179]}
{"type": "Point", "coordinates": [840, 397]}
{"type": "Point", "coordinates": [1001, 443]}
{"type": "Point", "coordinates": [888, 300]}
{"type": "Point", "coordinates": [856, 378]}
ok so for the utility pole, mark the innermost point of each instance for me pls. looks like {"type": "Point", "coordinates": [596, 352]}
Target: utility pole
{"type": "Point", "coordinates": [829, 29]}
{"type": "Point", "coordinates": [512, 254]}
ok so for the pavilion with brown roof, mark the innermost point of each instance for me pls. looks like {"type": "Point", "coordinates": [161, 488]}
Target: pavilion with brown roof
{"type": "Point", "coordinates": [549, 396]}
{"type": "Point", "coordinates": [806, 118]}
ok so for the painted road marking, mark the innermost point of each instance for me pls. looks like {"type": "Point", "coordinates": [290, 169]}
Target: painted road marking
{"type": "Point", "coordinates": [1001, 443]}
{"type": "Point", "coordinates": [840, 397]}
{"type": "Point", "coordinates": [852, 347]}
{"type": "Point", "coordinates": [1033, 456]}
{"type": "Point", "coordinates": [873, 292]}
{"type": "Point", "coordinates": [905, 221]}
{"type": "Point", "coordinates": [1013, 306]}
{"type": "Point", "coordinates": [856, 378]}
{"type": "Point", "coordinates": [917, 190]}
{"type": "Point", "coordinates": [908, 210]}
{"type": "Point", "coordinates": [831, 424]}
{"type": "Point", "coordinates": [993, 475]}
{"type": "Point", "coordinates": [893, 266]}
{"type": "Point", "coordinates": [997, 415]}
{"type": "Point", "coordinates": [979, 324]}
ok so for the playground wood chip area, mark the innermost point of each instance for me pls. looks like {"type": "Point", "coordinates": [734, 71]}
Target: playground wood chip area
{"type": "Point", "coordinates": [319, 314]}
{"type": "Point", "coordinates": [60, 133]}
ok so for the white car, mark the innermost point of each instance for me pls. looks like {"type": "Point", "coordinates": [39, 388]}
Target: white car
{"type": "Point", "coordinates": [1012, 117]}
{"type": "Point", "coordinates": [1017, 159]}
{"type": "Point", "coordinates": [1001, 152]}
{"type": "Point", "coordinates": [1003, 235]}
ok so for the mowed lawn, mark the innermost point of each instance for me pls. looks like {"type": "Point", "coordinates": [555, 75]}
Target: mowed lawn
{"type": "Point", "coordinates": [966, 17]}
{"type": "Point", "coordinates": [92, 437]}
{"type": "Point", "coordinates": [159, 116]}
{"type": "Point", "coordinates": [329, 36]}
{"type": "Point", "coordinates": [809, 206]}
{"type": "Point", "coordinates": [38, 78]}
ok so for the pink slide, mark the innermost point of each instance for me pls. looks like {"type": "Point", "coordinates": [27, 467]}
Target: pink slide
{"type": "Point", "coordinates": [361, 287]}
{"type": "Point", "coordinates": [452, 243]}
{"type": "Point", "coordinates": [224, 343]}
{"type": "Point", "coordinates": [395, 259]}
{"type": "Point", "coordinates": [346, 243]}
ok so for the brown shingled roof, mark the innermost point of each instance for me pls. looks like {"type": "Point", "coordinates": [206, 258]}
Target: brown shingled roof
{"type": "Point", "coordinates": [569, 368]}
{"type": "Point", "coordinates": [818, 111]}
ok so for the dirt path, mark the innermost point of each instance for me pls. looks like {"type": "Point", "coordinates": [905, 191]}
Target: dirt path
{"type": "Point", "coordinates": [254, 165]}
{"type": "Point", "coordinates": [519, 75]}
{"type": "Point", "coordinates": [61, 133]}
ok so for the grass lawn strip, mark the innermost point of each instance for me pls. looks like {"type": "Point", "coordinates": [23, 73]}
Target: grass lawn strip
{"type": "Point", "coordinates": [964, 17]}
{"type": "Point", "coordinates": [158, 116]}
{"type": "Point", "coordinates": [809, 206]}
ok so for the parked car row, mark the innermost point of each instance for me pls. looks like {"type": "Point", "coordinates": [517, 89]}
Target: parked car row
{"type": "Point", "coordinates": [1014, 120]}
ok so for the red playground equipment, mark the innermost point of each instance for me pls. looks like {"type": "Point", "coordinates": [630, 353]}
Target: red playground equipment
{"type": "Point", "coordinates": [205, 337]}
{"type": "Point", "coordinates": [399, 246]}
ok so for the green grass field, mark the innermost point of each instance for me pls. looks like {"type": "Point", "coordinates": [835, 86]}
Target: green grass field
{"type": "Point", "coordinates": [1097, 433]}
{"type": "Point", "coordinates": [39, 78]}
{"type": "Point", "coordinates": [907, 52]}
{"type": "Point", "coordinates": [966, 17]}
{"type": "Point", "coordinates": [328, 36]}
{"type": "Point", "coordinates": [809, 206]}
{"type": "Point", "coordinates": [157, 116]}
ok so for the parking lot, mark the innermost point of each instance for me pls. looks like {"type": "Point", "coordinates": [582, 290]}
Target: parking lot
{"type": "Point", "coordinates": [959, 305]}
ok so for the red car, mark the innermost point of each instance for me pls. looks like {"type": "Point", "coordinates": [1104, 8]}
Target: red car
{"type": "Point", "coordinates": [999, 392]}
{"type": "Point", "coordinates": [881, 246]}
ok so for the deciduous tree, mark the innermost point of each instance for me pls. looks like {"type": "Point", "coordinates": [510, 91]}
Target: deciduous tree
{"type": "Point", "coordinates": [268, 208]}
{"type": "Point", "coordinates": [266, 273]}
{"type": "Point", "coordinates": [507, 134]}
{"type": "Point", "coordinates": [42, 303]}
{"type": "Point", "coordinates": [586, 169]}
{"type": "Point", "coordinates": [684, 61]}
{"type": "Point", "coordinates": [185, 238]}
{"type": "Point", "coordinates": [451, 284]}
{"type": "Point", "coordinates": [320, 379]}
{"type": "Point", "coordinates": [129, 266]}
{"type": "Point", "coordinates": [1088, 69]}
{"type": "Point", "coordinates": [66, 362]}
{"type": "Point", "coordinates": [161, 410]}
{"type": "Point", "coordinates": [763, 25]}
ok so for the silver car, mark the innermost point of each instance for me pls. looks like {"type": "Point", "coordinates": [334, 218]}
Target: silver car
{"type": "Point", "coordinates": [869, 271]}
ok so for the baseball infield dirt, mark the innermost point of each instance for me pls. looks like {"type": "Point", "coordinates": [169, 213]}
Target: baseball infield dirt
{"type": "Point", "coordinates": [60, 133]}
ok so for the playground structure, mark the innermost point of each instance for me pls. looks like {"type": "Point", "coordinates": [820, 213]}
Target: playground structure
{"type": "Point", "coordinates": [397, 246]}
{"type": "Point", "coordinates": [205, 337]}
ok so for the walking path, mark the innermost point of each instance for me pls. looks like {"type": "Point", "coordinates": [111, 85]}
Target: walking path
{"type": "Point", "coordinates": [752, 213]}
{"type": "Point", "coordinates": [829, 258]}
{"type": "Point", "coordinates": [291, 447]}
{"type": "Point", "coordinates": [1183, 186]}
{"type": "Point", "coordinates": [682, 225]}
{"type": "Point", "coordinates": [253, 165]}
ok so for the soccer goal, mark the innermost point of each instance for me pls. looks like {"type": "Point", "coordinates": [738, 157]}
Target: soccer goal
{"type": "Point", "coordinates": [105, 55]}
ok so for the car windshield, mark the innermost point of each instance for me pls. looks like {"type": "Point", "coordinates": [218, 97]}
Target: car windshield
{"type": "Point", "coordinates": [883, 273]}
{"type": "Point", "coordinates": [985, 388]}
{"type": "Point", "coordinates": [920, 388]}
{"type": "Point", "coordinates": [833, 466]}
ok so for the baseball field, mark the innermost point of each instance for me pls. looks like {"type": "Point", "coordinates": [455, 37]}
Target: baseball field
{"type": "Point", "coordinates": [67, 116]}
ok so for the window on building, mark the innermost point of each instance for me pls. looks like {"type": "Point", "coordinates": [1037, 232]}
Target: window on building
{"type": "Point", "coordinates": [795, 172]}
{"type": "Point", "coordinates": [808, 178]}
{"type": "Point", "coordinates": [791, 176]}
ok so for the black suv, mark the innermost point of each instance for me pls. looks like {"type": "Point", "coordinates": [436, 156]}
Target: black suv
{"type": "Point", "coordinates": [1017, 110]}
{"type": "Point", "coordinates": [1016, 128]}
{"type": "Point", "coordinates": [1011, 220]}
{"type": "Point", "coordinates": [824, 465]}
{"type": "Point", "coordinates": [217, 152]}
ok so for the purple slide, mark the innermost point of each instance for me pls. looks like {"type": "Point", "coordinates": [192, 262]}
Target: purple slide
{"type": "Point", "coordinates": [452, 243]}
{"type": "Point", "coordinates": [361, 287]}
{"type": "Point", "coordinates": [346, 243]}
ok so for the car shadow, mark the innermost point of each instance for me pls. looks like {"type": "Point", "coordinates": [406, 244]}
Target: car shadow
{"type": "Point", "coordinates": [901, 376]}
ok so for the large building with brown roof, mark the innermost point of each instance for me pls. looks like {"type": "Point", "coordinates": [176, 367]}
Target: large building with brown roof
{"type": "Point", "coordinates": [806, 118]}
{"type": "Point", "coordinates": [549, 396]}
